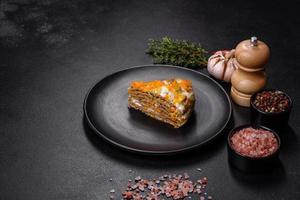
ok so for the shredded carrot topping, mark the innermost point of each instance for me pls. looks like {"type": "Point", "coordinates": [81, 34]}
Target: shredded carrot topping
{"type": "Point", "coordinates": [175, 89]}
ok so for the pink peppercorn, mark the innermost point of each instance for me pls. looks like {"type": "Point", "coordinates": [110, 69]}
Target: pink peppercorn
{"type": "Point", "coordinates": [271, 101]}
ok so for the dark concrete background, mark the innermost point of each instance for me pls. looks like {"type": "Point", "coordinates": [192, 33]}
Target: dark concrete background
{"type": "Point", "coordinates": [53, 51]}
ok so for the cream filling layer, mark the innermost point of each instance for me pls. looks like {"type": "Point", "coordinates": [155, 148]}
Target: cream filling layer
{"type": "Point", "coordinates": [136, 102]}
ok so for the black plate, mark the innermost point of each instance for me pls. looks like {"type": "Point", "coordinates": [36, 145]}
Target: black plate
{"type": "Point", "coordinates": [106, 111]}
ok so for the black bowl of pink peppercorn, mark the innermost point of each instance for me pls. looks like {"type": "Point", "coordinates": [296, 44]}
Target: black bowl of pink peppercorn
{"type": "Point", "coordinates": [270, 108]}
{"type": "Point", "coordinates": [253, 149]}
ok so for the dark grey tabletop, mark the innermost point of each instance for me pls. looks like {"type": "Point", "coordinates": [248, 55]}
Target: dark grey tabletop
{"type": "Point", "coordinates": [53, 51]}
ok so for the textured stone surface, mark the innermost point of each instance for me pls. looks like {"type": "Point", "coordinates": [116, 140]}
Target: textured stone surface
{"type": "Point", "coordinates": [53, 51]}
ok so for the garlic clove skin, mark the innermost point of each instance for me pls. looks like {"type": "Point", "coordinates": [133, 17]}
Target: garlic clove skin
{"type": "Point", "coordinates": [221, 66]}
{"type": "Point", "coordinates": [231, 67]}
{"type": "Point", "coordinates": [218, 70]}
{"type": "Point", "coordinates": [214, 60]}
{"type": "Point", "coordinates": [211, 62]}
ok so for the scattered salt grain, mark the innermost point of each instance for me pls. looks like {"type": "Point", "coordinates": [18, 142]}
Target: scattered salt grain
{"type": "Point", "coordinates": [170, 186]}
{"type": "Point", "coordinates": [112, 191]}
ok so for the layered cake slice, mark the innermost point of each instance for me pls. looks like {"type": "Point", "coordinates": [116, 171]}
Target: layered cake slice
{"type": "Point", "coordinates": [170, 101]}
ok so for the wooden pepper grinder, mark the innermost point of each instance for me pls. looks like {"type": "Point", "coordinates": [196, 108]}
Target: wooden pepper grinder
{"type": "Point", "coordinates": [251, 56]}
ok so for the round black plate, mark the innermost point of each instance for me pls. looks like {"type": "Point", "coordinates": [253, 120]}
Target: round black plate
{"type": "Point", "coordinates": [107, 113]}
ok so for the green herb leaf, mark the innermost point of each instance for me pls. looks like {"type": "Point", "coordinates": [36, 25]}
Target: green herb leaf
{"type": "Point", "coordinates": [177, 52]}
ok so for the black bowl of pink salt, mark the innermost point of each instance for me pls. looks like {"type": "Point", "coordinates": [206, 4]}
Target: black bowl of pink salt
{"type": "Point", "coordinates": [270, 108]}
{"type": "Point", "coordinates": [253, 149]}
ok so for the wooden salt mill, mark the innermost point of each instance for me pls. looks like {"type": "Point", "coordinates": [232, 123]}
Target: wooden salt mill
{"type": "Point", "coordinates": [249, 77]}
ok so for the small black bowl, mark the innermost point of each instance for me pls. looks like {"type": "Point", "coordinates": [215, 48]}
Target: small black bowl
{"type": "Point", "coordinates": [277, 121]}
{"type": "Point", "coordinates": [252, 164]}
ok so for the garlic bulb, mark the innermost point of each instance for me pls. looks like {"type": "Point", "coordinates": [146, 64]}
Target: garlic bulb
{"type": "Point", "coordinates": [221, 65]}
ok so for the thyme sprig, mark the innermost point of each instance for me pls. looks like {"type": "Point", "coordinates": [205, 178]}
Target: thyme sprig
{"type": "Point", "coordinates": [177, 52]}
